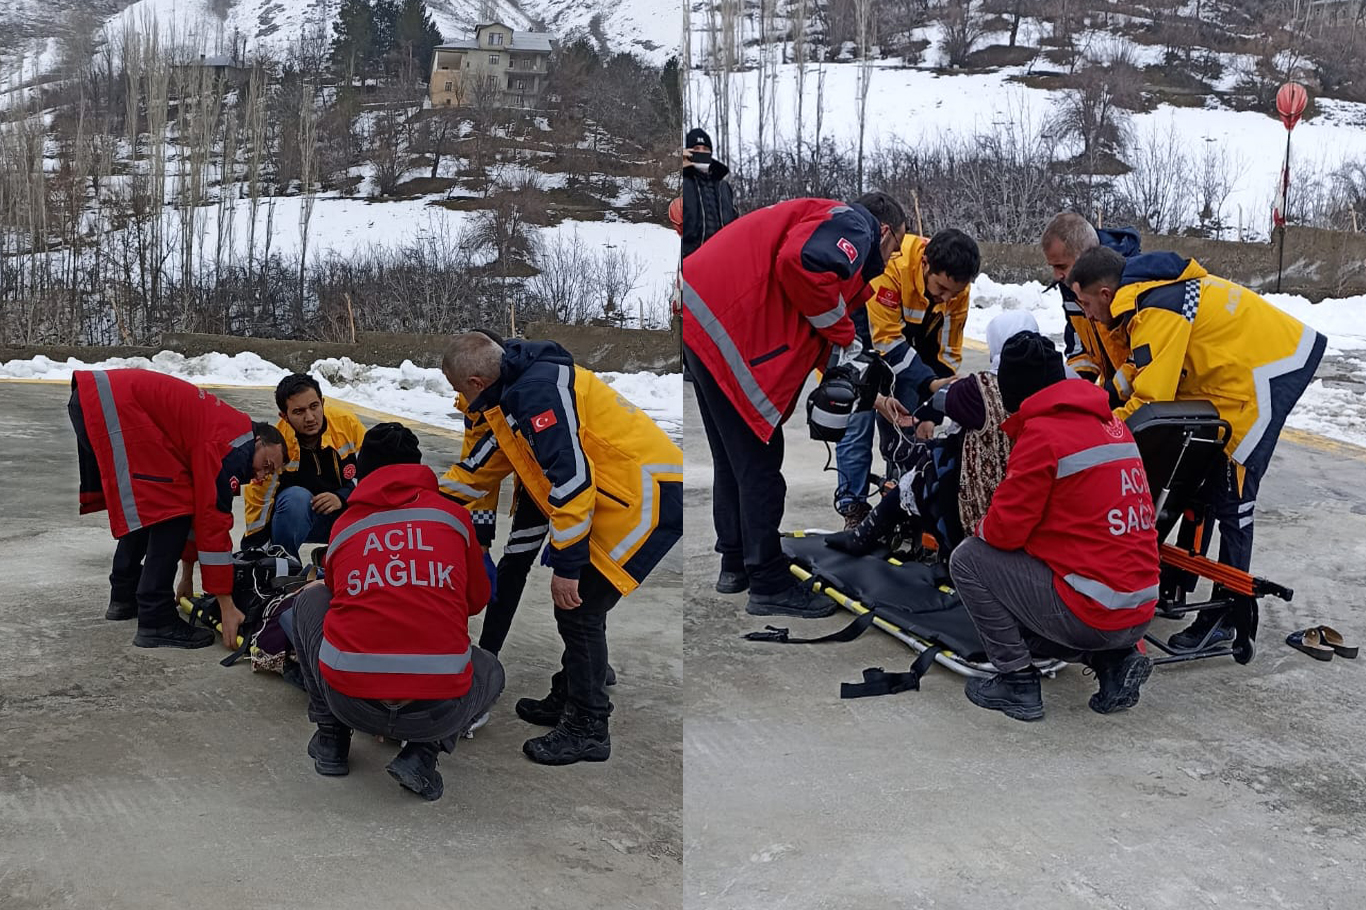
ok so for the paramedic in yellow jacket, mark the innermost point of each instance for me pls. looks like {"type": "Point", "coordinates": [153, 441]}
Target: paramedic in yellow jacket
{"type": "Point", "coordinates": [299, 504]}
{"type": "Point", "coordinates": [610, 484]}
{"type": "Point", "coordinates": [1195, 337]}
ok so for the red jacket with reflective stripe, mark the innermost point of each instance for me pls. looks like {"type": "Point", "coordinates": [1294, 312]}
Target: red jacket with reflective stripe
{"type": "Point", "coordinates": [167, 448]}
{"type": "Point", "coordinates": [406, 574]}
{"type": "Point", "coordinates": [1075, 496]}
{"type": "Point", "coordinates": [766, 298]}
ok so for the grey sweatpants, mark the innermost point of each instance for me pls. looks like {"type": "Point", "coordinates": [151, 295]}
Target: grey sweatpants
{"type": "Point", "coordinates": [431, 721]}
{"type": "Point", "coordinates": [1018, 613]}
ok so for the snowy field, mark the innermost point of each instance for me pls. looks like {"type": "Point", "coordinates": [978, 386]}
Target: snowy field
{"type": "Point", "coordinates": [406, 391]}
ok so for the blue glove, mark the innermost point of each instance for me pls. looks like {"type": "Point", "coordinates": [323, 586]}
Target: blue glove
{"type": "Point", "coordinates": [492, 571]}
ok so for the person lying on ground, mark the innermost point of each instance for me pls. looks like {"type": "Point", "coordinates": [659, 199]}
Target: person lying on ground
{"type": "Point", "coordinates": [946, 484]}
{"type": "Point", "coordinates": [915, 321]}
{"type": "Point", "coordinates": [1064, 565]}
{"type": "Point", "coordinates": [166, 458]}
{"type": "Point", "coordinates": [383, 643]}
{"type": "Point", "coordinates": [299, 504]}
{"type": "Point", "coordinates": [761, 311]}
{"type": "Point", "coordinates": [1194, 337]}
{"type": "Point", "coordinates": [609, 482]}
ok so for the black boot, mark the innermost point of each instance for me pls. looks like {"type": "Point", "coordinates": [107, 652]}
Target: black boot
{"type": "Point", "coordinates": [176, 634]}
{"type": "Point", "coordinates": [575, 738]}
{"type": "Point", "coordinates": [798, 600]}
{"type": "Point", "coordinates": [732, 582]}
{"type": "Point", "coordinates": [120, 610]}
{"type": "Point", "coordinates": [611, 676]}
{"type": "Point", "coordinates": [872, 530]}
{"type": "Point", "coordinates": [329, 748]}
{"type": "Point", "coordinates": [545, 712]}
{"type": "Point", "coordinates": [1120, 674]}
{"type": "Point", "coordinates": [1016, 694]}
{"type": "Point", "coordinates": [415, 769]}
{"type": "Point", "coordinates": [1209, 623]}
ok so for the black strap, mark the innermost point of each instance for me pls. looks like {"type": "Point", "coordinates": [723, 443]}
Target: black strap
{"type": "Point", "coordinates": [877, 681]}
{"type": "Point", "coordinates": [235, 656]}
{"type": "Point", "coordinates": [848, 633]}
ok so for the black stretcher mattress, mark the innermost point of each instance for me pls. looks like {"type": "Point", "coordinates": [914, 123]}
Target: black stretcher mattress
{"type": "Point", "coordinates": [904, 595]}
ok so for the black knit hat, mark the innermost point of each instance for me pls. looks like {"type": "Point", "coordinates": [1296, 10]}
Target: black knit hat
{"type": "Point", "coordinates": [1029, 363]}
{"type": "Point", "coordinates": [387, 444]}
{"type": "Point", "coordinates": [697, 136]}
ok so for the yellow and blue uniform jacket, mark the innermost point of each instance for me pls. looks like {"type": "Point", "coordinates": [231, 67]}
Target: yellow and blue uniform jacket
{"type": "Point", "coordinates": [1094, 353]}
{"type": "Point", "coordinates": [334, 460]}
{"type": "Point", "coordinates": [1193, 336]}
{"type": "Point", "coordinates": [605, 475]}
{"type": "Point", "coordinates": [904, 324]}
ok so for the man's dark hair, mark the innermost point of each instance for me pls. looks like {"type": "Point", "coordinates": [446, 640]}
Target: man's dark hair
{"type": "Point", "coordinates": [267, 434]}
{"type": "Point", "coordinates": [884, 208]}
{"type": "Point", "coordinates": [953, 253]}
{"type": "Point", "coordinates": [1097, 265]}
{"type": "Point", "coordinates": [292, 385]}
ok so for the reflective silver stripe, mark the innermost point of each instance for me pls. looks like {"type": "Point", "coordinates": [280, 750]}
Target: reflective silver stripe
{"type": "Point", "coordinates": [292, 466]}
{"type": "Point", "coordinates": [267, 504]}
{"type": "Point", "coordinates": [462, 489]}
{"type": "Point", "coordinates": [528, 533]}
{"type": "Point", "coordinates": [886, 347]}
{"type": "Point", "coordinates": [481, 453]}
{"type": "Point", "coordinates": [944, 333]}
{"type": "Point", "coordinates": [123, 476]}
{"type": "Point", "coordinates": [912, 314]}
{"type": "Point", "coordinates": [1247, 506]}
{"type": "Point", "coordinates": [408, 664]}
{"type": "Point", "coordinates": [901, 362]}
{"type": "Point", "coordinates": [346, 449]}
{"type": "Point", "coordinates": [572, 426]}
{"type": "Point", "coordinates": [243, 439]}
{"type": "Point", "coordinates": [1122, 384]}
{"type": "Point", "coordinates": [281, 566]}
{"type": "Point", "coordinates": [214, 558]}
{"type": "Point", "coordinates": [648, 473]}
{"type": "Point", "coordinates": [829, 419]}
{"type": "Point", "coordinates": [829, 317]}
{"type": "Point", "coordinates": [1107, 596]}
{"type": "Point", "coordinates": [527, 547]}
{"type": "Point", "coordinates": [398, 516]}
{"type": "Point", "coordinates": [569, 534]}
{"type": "Point", "coordinates": [1245, 521]}
{"type": "Point", "coordinates": [1072, 309]}
{"type": "Point", "coordinates": [730, 354]}
{"type": "Point", "coordinates": [1261, 382]}
{"type": "Point", "coordinates": [1083, 363]}
{"type": "Point", "coordinates": [1095, 456]}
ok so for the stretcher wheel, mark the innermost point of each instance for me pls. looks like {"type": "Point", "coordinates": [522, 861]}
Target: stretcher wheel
{"type": "Point", "coordinates": [1243, 652]}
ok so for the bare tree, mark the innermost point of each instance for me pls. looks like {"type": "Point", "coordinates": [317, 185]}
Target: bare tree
{"type": "Point", "coordinates": [962, 30]}
{"type": "Point", "coordinates": [308, 156]}
{"type": "Point", "coordinates": [1156, 188]}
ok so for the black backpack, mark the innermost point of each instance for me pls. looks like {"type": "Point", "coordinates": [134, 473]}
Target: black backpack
{"type": "Point", "coordinates": [261, 576]}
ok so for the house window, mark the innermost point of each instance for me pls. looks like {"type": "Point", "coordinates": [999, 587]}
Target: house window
{"type": "Point", "coordinates": [450, 86]}
{"type": "Point", "coordinates": [496, 38]}
{"type": "Point", "coordinates": [493, 59]}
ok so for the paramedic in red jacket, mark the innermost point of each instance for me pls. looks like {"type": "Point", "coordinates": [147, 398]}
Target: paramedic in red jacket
{"type": "Point", "coordinates": [166, 459]}
{"type": "Point", "coordinates": [764, 306]}
{"type": "Point", "coordinates": [384, 644]}
{"type": "Point", "coordinates": [1064, 565]}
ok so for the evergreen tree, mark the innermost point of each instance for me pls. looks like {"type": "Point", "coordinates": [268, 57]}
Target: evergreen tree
{"type": "Point", "coordinates": [353, 41]}
{"type": "Point", "coordinates": [415, 37]}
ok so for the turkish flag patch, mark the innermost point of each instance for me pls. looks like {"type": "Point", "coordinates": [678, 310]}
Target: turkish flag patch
{"type": "Point", "coordinates": [234, 483]}
{"type": "Point", "coordinates": [544, 421]}
{"type": "Point", "coordinates": [888, 297]}
{"type": "Point", "coordinates": [848, 249]}
{"type": "Point", "coordinates": [348, 472]}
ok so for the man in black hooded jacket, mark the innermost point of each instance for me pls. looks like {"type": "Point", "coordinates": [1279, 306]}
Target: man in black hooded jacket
{"type": "Point", "coordinates": [708, 203]}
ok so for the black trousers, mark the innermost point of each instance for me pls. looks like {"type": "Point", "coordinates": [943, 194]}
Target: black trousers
{"type": "Point", "coordinates": [748, 490]}
{"type": "Point", "coordinates": [583, 665]}
{"type": "Point", "coordinates": [524, 542]}
{"type": "Point", "coordinates": [144, 570]}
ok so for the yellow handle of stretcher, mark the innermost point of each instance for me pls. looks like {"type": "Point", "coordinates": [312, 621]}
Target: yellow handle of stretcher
{"type": "Point", "coordinates": [187, 607]}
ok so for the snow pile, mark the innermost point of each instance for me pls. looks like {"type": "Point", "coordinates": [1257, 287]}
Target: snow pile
{"type": "Point", "coordinates": [406, 391]}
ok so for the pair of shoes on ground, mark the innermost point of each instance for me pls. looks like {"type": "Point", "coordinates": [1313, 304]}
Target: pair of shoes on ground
{"type": "Point", "coordinates": [1019, 694]}
{"type": "Point", "coordinates": [175, 634]}
{"type": "Point", "coordinates": [1321, 643]}
{"type": "Point", "coordinates": [795, 600]}
{"type": "Point", "coordinates": [575, 737]}
{"type": "Point", "coordinates": [414, 767]}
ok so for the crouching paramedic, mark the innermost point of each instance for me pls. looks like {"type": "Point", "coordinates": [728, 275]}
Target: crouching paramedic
{"type": "Point", "coordinates": [1064, 564]}
{"type": "Point", "coordinates": [165, 458]}
{"type": "Point", "coordinates": [298, 504]}
{"type": "Point", "coordinates": [608, 481]}
{"type": "Point", "coordinates": [1195, 337]}
{"type": "Point", "coordinates": [384, 643]}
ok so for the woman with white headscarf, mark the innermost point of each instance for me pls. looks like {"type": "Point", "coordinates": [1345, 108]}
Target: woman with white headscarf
{"type": "Point", "coordinates": [930, 484]}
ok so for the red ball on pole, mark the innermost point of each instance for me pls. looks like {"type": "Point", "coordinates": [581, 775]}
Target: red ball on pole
{"type": "Point", "coordinates": [1291, 101]}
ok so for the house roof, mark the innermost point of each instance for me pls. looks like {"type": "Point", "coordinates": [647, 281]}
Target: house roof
{"type": "Point", "coordinates": [521, 41]}
{"type": "Point", "coordinates": [213, 60]}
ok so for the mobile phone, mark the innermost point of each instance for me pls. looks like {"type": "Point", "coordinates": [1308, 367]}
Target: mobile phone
{"type": "Point", "coordinates": [701, 158]}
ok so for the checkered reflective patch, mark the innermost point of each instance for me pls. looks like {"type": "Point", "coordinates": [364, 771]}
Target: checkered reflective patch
{"type": "Point", "coordinates": [1191, 303]}
{"type": "Point", "coordinates": [484, 516]}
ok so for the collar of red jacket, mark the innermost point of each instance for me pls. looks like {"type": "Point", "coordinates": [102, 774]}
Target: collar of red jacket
{"type": "Point", "coordinates": [1075, 395]}
{"type": "Point", "coordinates": [392, 485]}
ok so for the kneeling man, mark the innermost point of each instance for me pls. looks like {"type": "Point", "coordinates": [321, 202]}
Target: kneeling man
{"type": "Point", "coordinates": [384, 643]}
{"type": "Point", "coordinates": [1064, 565]}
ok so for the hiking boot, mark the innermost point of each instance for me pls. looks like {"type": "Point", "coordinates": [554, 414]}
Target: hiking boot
{"type": "Point", "coordinates": [174, 635]}
{"type": "Point", "coordinates": [732, 582]}
{"type": "Point", "coordinates": [329, 748]}
{"type": "Point", "coordinates": [611, 676]}
{"type": "Point", "coordinates": [1120, 674]}
{"type": "Point", "coordinates": [797, 600]}
{"type": "Point", "coordinates": [575, 738]}
{"type": "Point", "coordinates": [867, 534]}
{"type": "Point", "coordinates": [854, 513]}
{"type": "Point", "coordinates": [1207, 622]}
{"type": "Point", "coordinates": [415, 769]}
{"type": "Point", "coordinates": [544, 712]}
{"type": "Point", "coordinates": [1016, 694]}
{"type": "Point", "coordinates": [120, 610]}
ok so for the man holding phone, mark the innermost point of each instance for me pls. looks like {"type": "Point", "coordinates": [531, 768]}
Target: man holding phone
{"type": "Point", "coordinates": [708, 203]}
